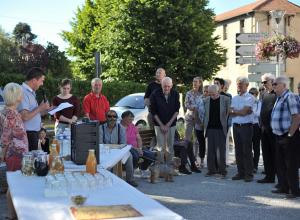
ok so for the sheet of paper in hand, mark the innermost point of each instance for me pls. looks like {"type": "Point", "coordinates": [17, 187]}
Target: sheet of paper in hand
{"type": "Point", "coordinates": [60, 107]}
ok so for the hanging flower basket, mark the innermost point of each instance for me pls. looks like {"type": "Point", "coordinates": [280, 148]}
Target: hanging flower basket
{"type": "Point", "coordinates": [283, 46]}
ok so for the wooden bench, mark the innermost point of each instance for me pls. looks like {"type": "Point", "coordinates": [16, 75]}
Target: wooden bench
{"type": "Point", "coordinates": [147, 136]}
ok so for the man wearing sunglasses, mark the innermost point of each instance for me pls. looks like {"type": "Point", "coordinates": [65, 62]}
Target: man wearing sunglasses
{"type": "Point", "coordinates": [113, 133]}
{"type": "Point", "coordinates": [285, 121]}
{"type": "Point", "coordinates": [267, 136]}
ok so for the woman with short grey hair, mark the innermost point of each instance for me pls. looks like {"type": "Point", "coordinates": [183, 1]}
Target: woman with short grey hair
{"type": "Point", "coordinates": [13, 134]}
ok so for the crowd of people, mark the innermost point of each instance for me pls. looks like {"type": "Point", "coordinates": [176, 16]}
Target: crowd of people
{"type": "Point", "coordinates": [268, 117]}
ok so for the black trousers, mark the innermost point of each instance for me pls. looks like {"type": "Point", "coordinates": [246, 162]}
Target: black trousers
{"type": "Point", "coordinates": [287, 152]}
{"type": "Point", "coordinates": [269, 153]}
{"type": "Point", "coordinates": [184, 150]}
{"type": "Point", "coordinates": [256, 144]}
{"type": "Point", "coordinates": [243, 148]}
{"type": "Point", "coordinates": [201, 140]}
{"type": "Point", "coordinates": [33, 140]}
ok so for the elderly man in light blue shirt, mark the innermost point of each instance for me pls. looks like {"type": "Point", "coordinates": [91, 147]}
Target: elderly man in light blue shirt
{"type": "Point", "coordinates": [29, 108]}
{"type": "Point", "coordinates": [242, 118]}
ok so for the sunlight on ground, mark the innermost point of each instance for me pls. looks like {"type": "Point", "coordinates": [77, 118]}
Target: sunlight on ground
{"type": "Point", "coordinates": [276, 202]}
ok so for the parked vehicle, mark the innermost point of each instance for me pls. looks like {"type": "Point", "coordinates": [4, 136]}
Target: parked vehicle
{"type": "Point", "coordinates": [135, 103]}
{"type": "Point", "coordinates": [1, 100]}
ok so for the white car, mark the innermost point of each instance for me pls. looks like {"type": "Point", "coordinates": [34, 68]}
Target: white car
{"type": "Point", "coordinates": [135, 103]}
{"type": "Point", "coordinates": [1, 100]}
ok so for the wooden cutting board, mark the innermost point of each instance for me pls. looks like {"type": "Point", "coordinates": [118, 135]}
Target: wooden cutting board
{"type": "Point", "coordinates": [104, 212]}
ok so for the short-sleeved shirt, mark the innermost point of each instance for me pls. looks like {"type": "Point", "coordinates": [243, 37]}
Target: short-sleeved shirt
{"type": "Point", "coordinates": [30, 103]}
{"type": "Point", "coordinates": [285, 106]}
{"type": "Point", "coordinates": [67, 112]}
{"type": "Point", "coordinates": [95, 106]}
{"type": "Point", "coordinates": [116, 136]}
{"type": "Point", "coordinates": [238, 103]}
{"type": "Point", "coordinates": [131, 135]}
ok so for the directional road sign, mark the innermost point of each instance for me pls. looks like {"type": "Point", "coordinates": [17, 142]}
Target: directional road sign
{"type": "Point", "coordinates": [245, 50]}
{"type": "Point", "coordinates": [249, 38]}
{"type": "Point", "coordinates": [252, 60]}
{"type": "Point", "coordinates": [264, 68]}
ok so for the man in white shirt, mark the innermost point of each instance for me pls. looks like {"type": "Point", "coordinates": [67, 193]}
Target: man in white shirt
{"type": "Point", "coordinates": [242, 118]}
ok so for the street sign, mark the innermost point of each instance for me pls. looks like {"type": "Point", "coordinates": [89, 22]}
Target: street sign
{"type": "Point", "coordinates": [252, 60]}
{"type": "Point", "coordinates": [255, 77]}
{"type": "Point", "coordinates": [249, 38]}
{"type": "Point", "coordinates": [264, 68]}
{"type": "Point", "coordinates": [245, 50]}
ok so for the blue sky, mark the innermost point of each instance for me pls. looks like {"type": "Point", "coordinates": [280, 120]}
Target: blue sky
{"type": "Point", "coordinates": [48, 18]}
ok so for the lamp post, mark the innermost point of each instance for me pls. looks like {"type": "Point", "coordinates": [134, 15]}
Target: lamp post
{"type": "Point", "coordinates": [277, 15]}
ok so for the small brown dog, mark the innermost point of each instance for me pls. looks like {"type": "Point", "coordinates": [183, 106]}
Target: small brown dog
{"type": "Point", "coordinates": [155, 170]}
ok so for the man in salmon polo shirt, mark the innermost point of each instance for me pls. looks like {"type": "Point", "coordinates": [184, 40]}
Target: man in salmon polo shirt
{"type": "Point", "coordinates": [95, 104]}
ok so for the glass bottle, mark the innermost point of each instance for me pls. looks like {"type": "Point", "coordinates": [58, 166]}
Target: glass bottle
{"type": "Point", "coordinates": [91, 162]}
{"type": "Point", "coordinates": [56, 142]}
{"type": "Point", "coordinates": [57, 165]}
{"type": "Point", "coordinates": [52, 154]}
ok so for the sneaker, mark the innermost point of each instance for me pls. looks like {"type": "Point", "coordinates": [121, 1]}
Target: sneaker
{"type": "Point", "coordinates": [132, 183]}
{"type": "Point", "coordinates": [145, 174]}
{"type": "Point", "coordinates": [237, 177]}
{"type": "Point", "coordinates": [184, 170]}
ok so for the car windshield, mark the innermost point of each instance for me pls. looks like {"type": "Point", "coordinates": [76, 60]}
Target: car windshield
{"type": "Point", "coordinates": [132, 101]}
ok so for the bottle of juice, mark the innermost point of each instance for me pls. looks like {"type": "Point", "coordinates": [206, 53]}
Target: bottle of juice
{"type": "Point", "coordinates": [53, 153]}
{"type": "Point", "coordinates": [91, 162]}
{"type": "Point", "coordinates": [56, 142]}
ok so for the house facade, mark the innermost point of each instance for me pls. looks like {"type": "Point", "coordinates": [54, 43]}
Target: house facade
{"type": "Point", "coordinates": [256, 18]}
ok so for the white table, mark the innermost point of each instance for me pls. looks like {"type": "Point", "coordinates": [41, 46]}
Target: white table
{"type": "Point", "coordinates": [107, 160]}
{"type": "Point", "coordinates": [30, 203]}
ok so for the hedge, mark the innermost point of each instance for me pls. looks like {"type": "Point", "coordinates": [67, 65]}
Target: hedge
{"type": "Point", "coordinates": [112, 90]}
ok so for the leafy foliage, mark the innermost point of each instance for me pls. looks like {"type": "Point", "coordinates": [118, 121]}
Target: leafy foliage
{"type": "Point", "coordinates": [19, 54]}
{"type": "Point", "coordinates": [22, 31]}
{"type": "Point", "coordinates": [137, 36]}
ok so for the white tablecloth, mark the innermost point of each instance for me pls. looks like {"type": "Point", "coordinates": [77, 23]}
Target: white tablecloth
{"type": "Point", "coordinates": [107, 160]}
{"type": "Point", "coordinates": [30, 203]}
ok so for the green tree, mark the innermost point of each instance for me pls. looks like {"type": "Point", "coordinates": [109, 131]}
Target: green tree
{"type": "Point", "coordinates": [137, 36]}
{"type": "Point", "coordinates": [8, 53]}
{"type": "Point", "coordinates": [22, 32]}
{"type": "Point", "coordinates": [59, 65]}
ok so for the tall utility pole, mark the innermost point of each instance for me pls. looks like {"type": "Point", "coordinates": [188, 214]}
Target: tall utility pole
{"type": "Point", "coordinates": [98, 64]}
{"type": "Point", "coordinates": [277, 15]}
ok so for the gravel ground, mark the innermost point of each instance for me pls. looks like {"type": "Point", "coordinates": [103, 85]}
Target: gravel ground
{"type": "Point", "coordinates": [198, 197]}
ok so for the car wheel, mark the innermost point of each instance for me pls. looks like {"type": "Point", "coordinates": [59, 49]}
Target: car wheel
{"type": "Point", "coordinates": [141, 124]}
